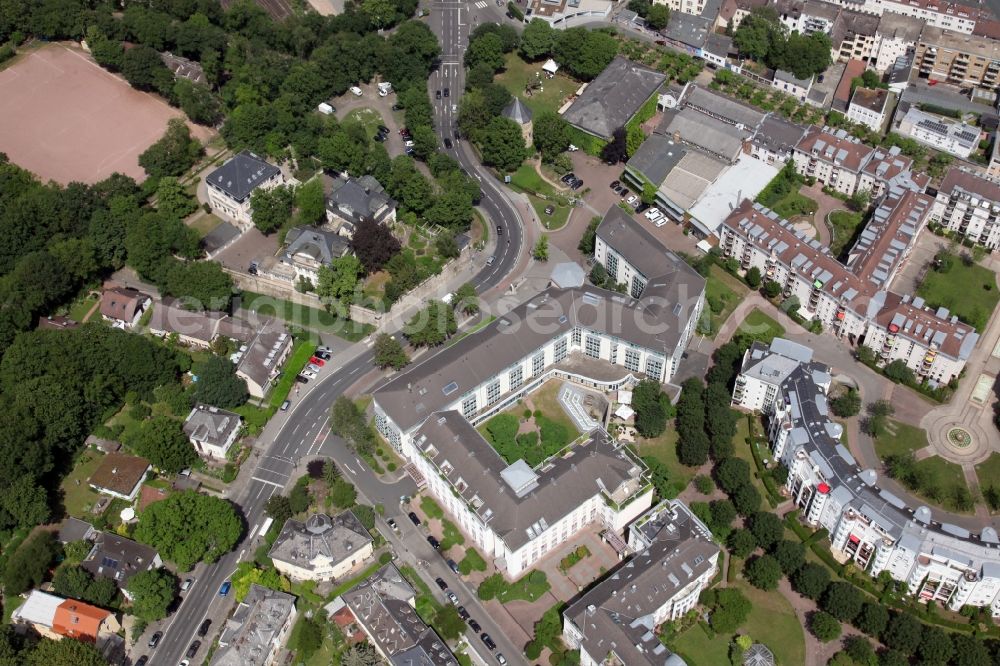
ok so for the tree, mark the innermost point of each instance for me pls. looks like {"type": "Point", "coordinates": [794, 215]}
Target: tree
{"type": "Point", "coordinates": [730, 611]}
{"type": "Point", "coordinates": [753, 277]}
{"type": "Point", "coordinates": [445, 243]}
{"type": "Point", "coordinates": [860, 651]}
{"type": "Point", "coordinates": [658, 17]}
{"type": "Point", "coordinates": [790, 555]}
{"type": "Point", "coordinates": [767, 529]}
{"type": "Point", "coordinates": [143, 69]}
{"type": "Point", "coordinates": [218, 384]}
{"type": "Point", "coordinates": [550, 132]}
{"type": "Point", "coordinates": [537, 40]}
{"type": "Point", "coordinates": [248, 574]}
{"type": "Point", "coordinates": [279, 509]}
{"type": "Point", "coordinates": [763, 572]}
{"type": "Point", "coordinates": [585, 53]}
{"type": "Point", "coordinates": [198, 102]}
{"type": "Point", "coordinates": [652, 408]}
{"type": "Point", "coordinates": [772, 289]}
{"type": "Point", "coordinates": [188, 527]}
{"type": "Point", "coordinates": [903, 633]}
{"type": "Point", "coordinates": [935, 646]}
{"type": "Point", "coordinates": [361, 654]}
{"type": "Point", "coordinates": [969, 650]}
{"type": "Point", "coordinates": [502, 144]}
{"type": "Point", "coordinates": [598, 275]}
{"type": "Point", "coordinates": [162, 441]}
{"type": "Point", "coordinates": [311, 202]}
{"type": "Point", "coordinates": [389, 353]}
{"type": "Point", "coordinates": [271, 209]}
{"type": "Point", "coordinates": [842, 600]}
{"type": "Point", "coordinates": [859, 200]}
{"type": "Point", "coordinates": [299, 498]}
{"type": "Point", "coordinates": [811, 580]}
{"type": "Point", "coordinates": [78, 583]}
{"type": "Point", "coordinates": [872, 619]}
{"type": "Point", "coordinates": [374, 244]}
{"type": "Point", "coordinates": [338, 280]}
{"type": "Point", "coordinates": [586, 244]}
{"type": "Point", "coordinates": [824, 626]}
{"type": "Point", "coordinates": [878, 412]}
{"type": "Point", "coordinates": [846, 404]}
{"type": "Point", "coordinates": [172, 200]}
{"type": "Point", "coordinates": [449, 623]}
{"type": "Point", "coordinates": [616, 150]}
{"type": "Point", "coordinates": [342, 494]}
{"type": "Point", "coordinates": [152, 592]}
{"type": "Point", "coordinates": [466, 300]}
{"type": "Point", "coordinates": [900, 373]}
{"type": "Point", "coordinates": [173, 153]}
{"type": "Point", "coordinates": [741, 543]}
{"type": "Point", "coordinates": [308, 637]}
{"type": "Point", "coordinates": [27, 566]}
{"type": "Point", "coordinates": [65, 653]}
{"type": "Point", "coordinates": [431, 326]}
{"type": "Point", "coordinates": [541, 250]}
{"type": "Point", "coordinates": [486, 50]}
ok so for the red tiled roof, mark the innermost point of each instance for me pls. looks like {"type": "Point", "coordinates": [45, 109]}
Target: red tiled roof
{"type": "Point", "coordinates": [828, 147]}
{"type": "Point", "coordinates": [854, 68]}
{"type": "Point", "coordinates": [78, 620]}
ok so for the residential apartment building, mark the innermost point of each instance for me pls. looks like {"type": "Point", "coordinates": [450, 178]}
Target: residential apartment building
{"type": "Point", "coordinates": [695, 7]}
{"type": "Point", "coordinates": [792, 85]}
{"type": "Point", "coordinates": [384, 606]}
{"type": "Point", "coordinates": [854, 36]}
{"type": "Point", "coordinates": [834, 158]}
{"type": "Point", "coordinates": [868, 107]}
{"type": "Point", "coordinates": [897, 37]}
{"type": "Point", "coordinates": [949, 136]}
{"type": "Point", "coordinates": [212, 431]}
{"type": "Point", "coordinates": [939, 14]}
{"type": "Point", "coordinates": [969, 206]}
{"type": "Point", "coordinates": [775, 140]}
{"type": "Point", "coordinates": [965, 60]}
{"type": "Point", "coordinates": [868, 526]}
{"type": "Point", "coordinates": [351, 200]}
{"type": "Point", "coordinates": [615, 621]}
{"type": "Point", "coordinates": [231, 185]}
{"type": "Point", "coordinates": [257, 629]}
{"type": "Point", "coordinates": [853, 302]}
{"type": "Point", "coordinates": [307, 249]}
{"type": "Point", "coordinates": [321, 548]}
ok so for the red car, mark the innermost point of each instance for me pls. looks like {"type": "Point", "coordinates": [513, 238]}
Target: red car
{"type": "Point", "coordinates": [318, 361]}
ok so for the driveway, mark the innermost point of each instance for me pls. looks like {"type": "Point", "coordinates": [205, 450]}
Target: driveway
{"type": "Point", "coordinates": [382, 105]}
{"type": "Point", "coordinates": [251, 246]}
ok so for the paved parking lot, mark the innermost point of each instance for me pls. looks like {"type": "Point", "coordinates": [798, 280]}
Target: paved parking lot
{"type": "Point", "coordinates": [251, 246]}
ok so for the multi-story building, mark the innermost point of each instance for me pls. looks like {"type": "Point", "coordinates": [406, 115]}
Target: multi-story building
{"type": "Point", "coordinates": [792, 85]}
{"type": "Point", "coordinates": [897, 37]}
{"type": "Point", "coordinates": [868, 107]}
{"type": "Point", "coordinates": [970, 206]}
{"type": "Point", "coordinates": [616, 620]}
{"type": "Point", "coordinates": [939, 14]}
{"type": "Point", "coordinates": [955, 138]}
{"type": "Point", "coordinates": [775, 140]}
{"type": "Point", "coordinates": [256, 630]}
{"type": "Point", "coordinates": [116, 558]}
{"type": "Point", "coordinates": [351, 200]}
{"type": "Point", "coordinates": [854, 36]}
{"type": "Point", "coordinates": [890, 168]}
{"type": "Point", "coordinates": [231, 185]}
{"type": "Point", "coordinates": [321, 548]}
{"type": "Point", "coordinates": [869, 526]}
{"type": "Point", "coordinates": [834, 158]}
{"type": "Point", "coordinates": [853, 302]}
{"type": "Point", "coordinates": [965, 60]}
{"type": "Point", "coordinates": [212, 430]}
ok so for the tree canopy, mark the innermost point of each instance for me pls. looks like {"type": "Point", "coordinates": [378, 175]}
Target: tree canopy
{"type": "Point", "coordinates": [188, 527]}
{"type": "Point", "coordinates": [152, 593]}
{"type": "Point", "coordinates": [218, 384]}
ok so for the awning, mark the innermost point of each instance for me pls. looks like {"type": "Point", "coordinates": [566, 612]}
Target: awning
{"type": "Point", "coordinates": [624, 412]}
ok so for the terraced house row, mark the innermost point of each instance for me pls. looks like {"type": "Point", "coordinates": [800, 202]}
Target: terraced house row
{"type": "Point", "coordinates": [878, 531]}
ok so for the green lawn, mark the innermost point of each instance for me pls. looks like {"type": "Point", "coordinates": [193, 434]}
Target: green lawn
{"type": "Point", "coordinates": [560, 213]}
{"type": "Point", "coordinates": [553, 93]}
{"type": "Point", "coordinates": [80, 308]}
{"type": "Point", "coordinates": [472, 561]}
{"type": "Point", "coordinates": [723, 293]}
{"type": "Point", "coordinates": [431, 508]}
{"type": "Point", "coordinates": [761, 326]}
{"type": "Point", "coordinates": [943, 478]}
{"type": "Point", "coordinates": [296, 361]}
{"type": "Point", "coordinates": [524, 589]}
{"type": "Point", "coordinates": [967, 291]}
{"type": "Point", "coordinates": [900, 438]}
{"type": "Point", "coordinates": [988, 472]}
{"type": "Point", "coordinates": [664, 449]}
{"type": "Point", "coordinates": [78, 497]}
{"type": "Point", "coordinates": [793, 204]}
{"type": "Point", "coordinates": [772, 622]}
{"type": "Point", "coordinates": [205, 224]}
{"type": "Point", "coordinates": [370, 119]}
{"type": "Point", "coordinates": [843, 224]}
{"type": "Point", "coordinates": [306, 317]}
{"type": "Point", "coordinates": [546, 399]}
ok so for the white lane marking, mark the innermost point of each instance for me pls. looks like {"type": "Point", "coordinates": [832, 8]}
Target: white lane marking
{"type": "Point", "coordinates": [361, 465]}
{"type": "Point", "coordinates": [348, 468]}
{"type": "Point", "coordinates": [270, 483]}
{"type": "Point", "coordinates": [481, 4]}
{"type": "Point", "coordinates": [253, 532]}
{"type": "Point", "coordinates": [354, 371]}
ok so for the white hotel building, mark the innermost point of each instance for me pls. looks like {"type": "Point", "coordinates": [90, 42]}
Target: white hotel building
{"type": "Point", "coordinates": [587, 335]}
{"type": "Point", "coordinates": [869, 526]}
{"type": "Point", "coordinates": [852, 301]}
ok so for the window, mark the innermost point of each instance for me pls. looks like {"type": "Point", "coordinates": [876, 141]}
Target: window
{"type": "Point", "coordinates": [560, 350]}
{"type": "Point", "coordinates": [538, 363]}
{"type": "Point", "coordinates": [493, 393]}
{"type": "Point", "coordinates": [469, 406]}
{"type": "Point", "coordinates": [613, 265]}
{"type": "Point", "coordinates": [516, 377]}
{"type": "Point", "coordinates": [593, 346]}
{"type": "Point", "coordinates": [577, 336]}
{"type": "Point", "coordinates": [654, 367]}
{"type": "Point", "coordinates": [637, 286]}
{"type": "Point", "coordinates": [632, 360]}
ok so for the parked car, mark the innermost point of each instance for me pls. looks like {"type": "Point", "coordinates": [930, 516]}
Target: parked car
{"type": "Point", "coordinates": [499, 230]}
{"type": "Point", "coordinates": [356, 91]}
{"type": "Point", "coordinates": [141, 661]}
{"type": "Point", "coordinates": [186, 585]}
{"type": "Point", "coordinates": [447, 92]}
{"type": "Point", "coordinates": [307, 374]}
{"type": "Point", "coordinates": [323, 350]}
{"type": "Point", "coordinates": [435, 544]}
{"type": "Point", "coordinates": [452, 597]}
{"type": "Point", "coordinates": [325, 355]}
{"type": "Point", "coordinates": [379, 137]}
{"type": "Point", "coordinates": [440, 583]}
{"type": "Point", "coordinates": [313, 367]}
{"type": "Point", "coordinates": [487, 641]}
{"type": "Point", "coordinates": [414, 519]}
{"type": "Point", "coordinates": [577, 184]}
{"type": "Point", "coordinates": [203, 629]}
{"type": "Point", "coordinates": [192, 649]}
{"type": "Point", "coordinates": [501, 659]}
{"type": "Point", "coordinates": [383, 129]}
{"type": "Point", "coordinates": [437, 94]}
{"type": "Point", "coordinates": [317, 361]}
{"type": "Point", "coordinates": [392, 525]}
{"type": "Point", "coordinates": [632, 200]}
{"type": "Point", "coordinates": [625, 192]}
{"type": "Point", "coordinates": [641, 207]}
{"type": "Point", "coordinates": [617, 189]}
{"type": "Point", "coordinates": [447, 143]}
{"type": "Point", "coordinates": [615, 183]}
{"type": "Point", "coordinates": [474, 625]}
{"type": "Point", "coordinates": [660, 222]}
{"type": "Point", "coordinates": [462, 613]}
{"type": "Point", "coordinates": [568, 178]}
{"type": "Point", "coordinates": [154, 640]}
{"type": "Point", "coordinates": [285, 405]}
{"type": "Point", "coordinates": [490, 260]}
{"type": "Point", "coordinates": [403, 131]}
{"type": "Point", "coordinates": [653, 213]}
{"type": "Point", "coordinates": [408, 143]}
{"type": "Point", "coordinates": [453, 566]}
{"type": "Point", "coordinates": [224, 590]}
{"type": "Point", "coordinates": [301, 379]}
{"type": "Point", "coordinates": [409, 151]}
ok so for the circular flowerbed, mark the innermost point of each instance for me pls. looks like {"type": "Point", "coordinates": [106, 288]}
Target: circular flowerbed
{"type": "Point", "coordinates": [959, 438]}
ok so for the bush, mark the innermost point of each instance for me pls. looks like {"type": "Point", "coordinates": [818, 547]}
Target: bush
{"type": "Point", "coordinates": [824, 626]}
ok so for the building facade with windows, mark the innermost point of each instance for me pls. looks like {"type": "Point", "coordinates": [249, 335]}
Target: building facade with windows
{"type": "Point", "coordinates": [834, 158]}
{"type": "Point", "coordinates": [955, 138]}
{"type": "Point", "coordinates": [868, 526]}
{"type": "Point", "coordinates": [962, 59]}
{"type": "Point", "coordinates": [969, 206]}
{"type": "Point", "coordinates": [868, 107]}
{"type": "Point", "coordinates": [231, 185]}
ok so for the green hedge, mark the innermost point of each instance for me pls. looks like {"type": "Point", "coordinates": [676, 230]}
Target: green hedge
{"type": "Point", "coordinates": [588, 143]}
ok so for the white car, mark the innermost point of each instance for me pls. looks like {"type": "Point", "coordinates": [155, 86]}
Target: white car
{"type": "Point", "coordinates": [632, 200]}
{"type": "Point", "coordinates": [312, 367]}
{"type": "Point", "coordinates": [660, 222]}
{"type": "Point", "coordinates": [408, 144]}
{"type": "Point", "coordinates": [308, 374]}
{"type": "Point", "coordinates": [356, 91]}
{"type": "Point", "coordinates": [653, 214]}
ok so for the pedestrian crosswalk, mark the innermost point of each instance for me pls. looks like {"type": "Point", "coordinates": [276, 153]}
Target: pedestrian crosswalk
{"type": "Point", "coordinates": [481, 4]}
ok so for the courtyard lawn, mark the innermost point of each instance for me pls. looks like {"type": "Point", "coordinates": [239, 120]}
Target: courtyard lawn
{"type": "Point", "coordinates": [205, 224]}
{"type": "Point", "coordinates": [988, 472]}
{"type": "Point", "coordinates": [723, 293]}
{"type": "Point", "coordinates": [761, 326]}
{"type": "Point", "coordinates": [842, 225]}
{"type": "Point", "coordinates": [78, 497]}
{"type": "Point", "coordinates": [560, 213]}
{"type": "Point", "coordinates": [772, 622]}
{"type": "Point", "coordinates": [664, 449]}
{"type": "Point", "coordinates": [967, 291]}
{"type": "Point", "coordinates": [899, 438]}
{"type": "Point", "coordinates": [546, 399]}
{"type": "Point", "coordinates": [81, 308]}
{"type": "Point", "coordinates": [370, 119]}
{"type": "Point", "coordinates": [551, 94]}
{"type": "Point", "coordinates": [793, 204]}
{"type": "Point", "coordinates": [309, 318]}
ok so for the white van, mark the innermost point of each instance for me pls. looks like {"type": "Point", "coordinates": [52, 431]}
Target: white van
{"type": "Point", "coordinates": [356, 91]}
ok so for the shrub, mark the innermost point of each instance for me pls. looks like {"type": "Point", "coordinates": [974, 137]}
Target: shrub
{"type": "Point", "coordinates": [824, 626]}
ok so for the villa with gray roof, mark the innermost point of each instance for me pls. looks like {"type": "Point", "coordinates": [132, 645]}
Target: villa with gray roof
{"type": "Point", "coordinates": [256, 630]}
{"type": "Point", "coordinates": [321, 548]}
{"type": "Point", "coordinates": [350, 200]}
{"type": "Point", "coordinates": [212, 431]}
{"type": "Point", "coordinates": [613, 98]}
{"type": "Point", "coordinates": [231, 185]}
{"type": "Point", "coordinates": [616, 620]}
{"type": "Point", "coordinates": [384, 606]}
{"type": "Point", "coordinates": [307, 249]}
{"type": "Point", "coordinates": [868, 525]}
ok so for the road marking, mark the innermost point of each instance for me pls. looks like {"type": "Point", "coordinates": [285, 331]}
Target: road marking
{"type": "Point", "coordinates": [354, 371]}
{"type": "Point", "coordinates": [253, 532]}
{"type": "Point", "coordinates": [481, 4]}
{"type": "Point", "coordinates": [348, 468]}
{"type": "Point", "coordinates": [361, 465]}
{"type": "Point", "coordinates": [270, 483]}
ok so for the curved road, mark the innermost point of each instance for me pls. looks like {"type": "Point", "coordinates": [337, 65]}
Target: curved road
{"type": "Point", "coordinates": [301, 434]}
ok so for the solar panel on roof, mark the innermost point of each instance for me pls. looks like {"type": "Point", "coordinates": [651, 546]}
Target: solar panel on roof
{"type": "Point", "coordinates": [450, 388]}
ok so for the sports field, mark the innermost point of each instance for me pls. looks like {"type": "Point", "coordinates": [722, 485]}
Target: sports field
{"type": "Point", "coordinates": [66, 119]}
